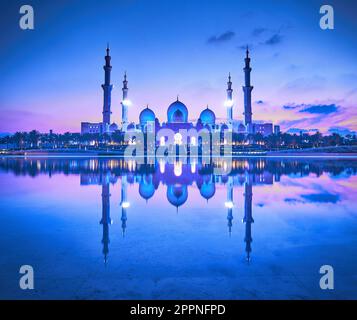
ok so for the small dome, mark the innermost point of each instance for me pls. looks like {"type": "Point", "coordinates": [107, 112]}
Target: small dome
{"type": "Point", "coordinates": [131, 126]}
{"type": "Point", "coordinates": [146, 188]}
{"type": "Point", "coordinates": [146, 115]}
{"type": "Point", "coordinates": [113, 127]}
{"type": "Point", "coordinates": [207, 116]}
{"type": "Point", "coordinates": [177, 112]}
{"type": "Point", "coordinates": [241, 127]}
{"type": "Point", "coordinates": [208, 190]}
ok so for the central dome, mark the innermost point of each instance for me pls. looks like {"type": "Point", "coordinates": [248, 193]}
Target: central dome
{"type": "Point", "coordinates": [207, 116]}
{"type": "Point", "coordinates": [177, 194]}
{"type": "Point", "coordinates": [177, 112]}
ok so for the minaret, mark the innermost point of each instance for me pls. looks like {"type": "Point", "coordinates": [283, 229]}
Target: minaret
{"type": "Point", "coordinates": [124, 204]}
{"type": "Point", "coordinates": [107, 88]}
{"type": "Point", "coordinates": [125, 103]}
{"type": "Point", "coordinates": [106, 221]}
{"type": "Point", "coordinates": [229, 204]}
{"type": "Point", "coordinates": [248, 217]}
{"type": "Point", "coordinates": [229, 102]}
{"type": "Point", "coordinates": [247, 89]}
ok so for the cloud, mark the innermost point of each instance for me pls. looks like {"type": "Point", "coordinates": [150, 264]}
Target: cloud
{"type": "Point", "coordinates": [313, 108]}
{"type": "Point", "coordinates": [298, 130]}
{"type": "Point", "coordinates": [291, 107]}
{"type": "Point", "coordinates": [258, 31]}
{"type": "Point", "coordinates": [293, 200]}
{"type": "Point", "coordinates": [328, 116]}
{"type": "Point", "coordinates": [315, 198]}
{"type": "Point", "coordinates": [274, 39]}
{"type": "Point", "coordinates": [321, 198]}
{"type": "Point", "coordinates": [224, 37]}
{"type": "Point", "coordinates": [320, 109]}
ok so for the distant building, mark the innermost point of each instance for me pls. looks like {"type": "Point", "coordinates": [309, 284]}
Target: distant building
{"type": "Point", "coordinates": [92, 128]}
{"type": "Point", "coordinates": [276, 129]}
{"type": "Point", "coordinates": [266, 129]}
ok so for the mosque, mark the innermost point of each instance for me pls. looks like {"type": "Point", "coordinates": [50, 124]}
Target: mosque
{"type": "Point", "coordinates": [177, 112]}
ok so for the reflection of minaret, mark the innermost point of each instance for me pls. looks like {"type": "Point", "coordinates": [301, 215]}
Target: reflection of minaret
{"type": "Point", "coordinates": [229, 102]}
{"type": "Point", "coordinates": [107, 88]}
{"type": "Point", "coordinates": [248, 218]}
{"type": "Point", "coordinates": [106, 221]}
{"type": "Point", "coordinates": [229, 204]}
{"type": "Point", "coordinates": [124, 203]}
{"type": "Point", "coordinates": [247, 92]}
{"type": "Point", "coordinates": [125, 103]}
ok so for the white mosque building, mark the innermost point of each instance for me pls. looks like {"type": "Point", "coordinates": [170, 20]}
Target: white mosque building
{"type": "Point", "coordinates": [177, 112]}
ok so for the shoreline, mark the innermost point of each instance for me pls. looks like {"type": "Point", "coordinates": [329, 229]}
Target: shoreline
{"type": "Point", "coordinates": [101, 154]}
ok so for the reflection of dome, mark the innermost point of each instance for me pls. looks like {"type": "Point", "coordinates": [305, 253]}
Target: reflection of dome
{"type": "Point", "coordinates": [207, 116]}
{"type": "Point", "coordinates": [146, 115]}
{"type": "Point", "coordinates": [131, 126]}
{"type": "Point", "coordinates": [146, 189]}
{"type": "Point", "coordinates": [208, 190]}
{"type": "Point", "coordinates": [177, 194]}
{"type": "Point", "coordinates": [224, 179]}
{"type": "Point", "coordinates": [177, 112]}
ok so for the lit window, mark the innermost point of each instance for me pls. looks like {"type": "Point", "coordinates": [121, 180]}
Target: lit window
{"type": "Point", "coordinates": [162, 141]}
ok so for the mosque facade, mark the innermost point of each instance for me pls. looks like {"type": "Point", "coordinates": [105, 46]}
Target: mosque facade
{"type": "Point", "coordinates": [177, 112]}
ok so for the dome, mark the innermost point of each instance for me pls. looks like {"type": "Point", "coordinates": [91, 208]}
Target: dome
{"type": "Point", "coordinates": [113, 127]}
{"type": "Point", "coordinates": [177, 194]}
{"type": "Point", "coordinates": [177, 112]}
{"type": "Point", "coordinates": [207, 116]}
{"type": "Point", "coordinates": [241, 127]}
{"type": "Point", "coordinates": [131, 126]}
{"type": "Point", "coordinates": [208, 190]}
{"type": "Point", "coordinates": [146, 188]}
{"type": "Point", "coordinates": [146, 115]}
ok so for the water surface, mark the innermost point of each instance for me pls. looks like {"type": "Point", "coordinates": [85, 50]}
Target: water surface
{"type": "Point", "coordinates": [113, 229]}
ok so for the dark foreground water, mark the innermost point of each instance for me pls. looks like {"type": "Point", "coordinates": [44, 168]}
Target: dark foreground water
{"type": "Point", "coordinates": [113, 229]}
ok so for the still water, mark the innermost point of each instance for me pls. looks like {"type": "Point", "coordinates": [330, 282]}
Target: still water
{"type": "Point", "coordinates": [113, 229]}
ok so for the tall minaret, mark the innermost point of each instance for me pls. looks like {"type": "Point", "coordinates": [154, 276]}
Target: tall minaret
{"type": "Point", "coordinates": [247, 92]}
{"type": "Point", "coordinates": [229, 102]}
{"type": "Point", "coordinates": [125, 103]}
{"type": "Point", "coordinates": [107, 88]}
{"type": "Point", "coordinates": [106, 221]}
{"type": "Point", "coordinates": [248, 217]}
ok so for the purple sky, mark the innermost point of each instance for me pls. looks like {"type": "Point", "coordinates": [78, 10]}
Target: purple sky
{"type": "Point", "coordinates": [303, 77]}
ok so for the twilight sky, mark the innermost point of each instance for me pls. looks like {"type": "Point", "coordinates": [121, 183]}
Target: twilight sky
{"type": "Point", "coordinates": [303, 77]}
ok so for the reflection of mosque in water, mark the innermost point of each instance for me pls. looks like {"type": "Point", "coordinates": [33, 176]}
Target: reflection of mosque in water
{"type": "Point", "coordinates": [177, 177]}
